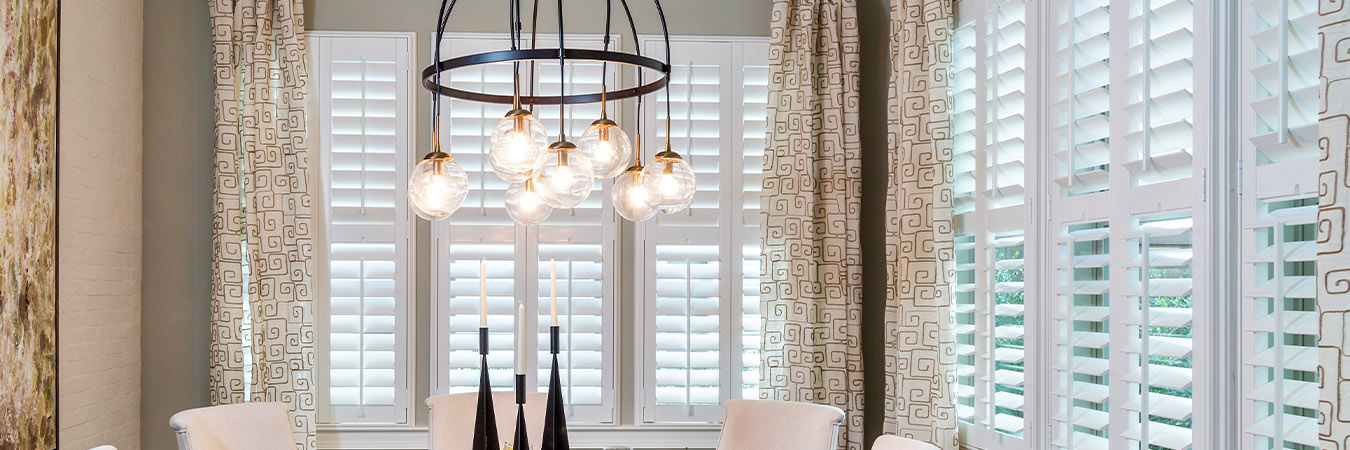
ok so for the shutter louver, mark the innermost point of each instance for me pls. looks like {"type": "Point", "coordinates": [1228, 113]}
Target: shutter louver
{"type": "Point", "coordinates": [365, 128]}
{"type": "Point", "coordinates": [1159, 328]}
{"type": "Point", "coordinates": [581, 241]}
{"type": "Point", "coordinates": [1080, 327]}
{"type": "Point", "coordinates": [1131, 284]}
{"type": "Point", "coordinates": [992, 206]}
{"type": "Point", "coordinates": [1279, 209]}
{"type": "Point", "coordinates": [1082, 117]}
{"type": "Point", "coordinates": [1161, 97]}
{"type": "Point", "coordinates": [702, 263]}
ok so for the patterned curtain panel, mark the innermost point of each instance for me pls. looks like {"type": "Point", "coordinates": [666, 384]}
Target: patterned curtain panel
{"type": "Point", "coordinates": [261, 244]}
{"type": "Point", "coordinates": [811, 281]}
{"type": "Point", "coordinates": [920, 347]}
{"type": "Point", "coordinates": [1333, 256]}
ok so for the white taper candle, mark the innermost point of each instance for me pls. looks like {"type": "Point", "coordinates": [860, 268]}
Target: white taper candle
{"type": "Point", "coordinates": [482, 294]}
{"type": "Point", "coordinates": [520, 339]}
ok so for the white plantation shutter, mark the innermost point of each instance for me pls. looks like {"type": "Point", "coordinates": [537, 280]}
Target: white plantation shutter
{"type": "Point", "coordinates": [365, 131]}
{"type": "Point", "coordinates": [695, 317]}
{"type": "Point", "coordinates": [1130, 240]}
{"type": "Point", "coordinates": [992, 295]}
{"type": "Point", "coordinates": [1278, 162]}
{"type": "Point", "coordinates": [753, 132]}
{"type": "Point", "coordinates": [581, 240]}
{"type": "Point", "coordinates": [1080, 325]}
{"type": "Point", "coordinates": [1082, 95]}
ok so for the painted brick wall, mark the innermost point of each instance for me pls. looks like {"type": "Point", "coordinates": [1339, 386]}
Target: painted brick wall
{"type": "Point", "coordinates": [99, 229]}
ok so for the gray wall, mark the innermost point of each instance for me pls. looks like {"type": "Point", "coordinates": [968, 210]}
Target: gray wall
{"type": "Point", "coordinates": [176, 244]}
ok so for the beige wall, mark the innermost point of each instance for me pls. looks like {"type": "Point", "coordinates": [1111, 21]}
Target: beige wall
{"type": "Point", "coordinates": [99, 224]}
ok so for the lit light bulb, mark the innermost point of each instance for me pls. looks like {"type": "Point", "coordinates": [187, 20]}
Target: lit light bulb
{"type": "Point", "coordinates": [607, 146]}
{"type": "Point", "coordinates": [525, 205]}
{"type": "Point", "coordinates": [670, 185]}
{"type": "Point", "coordinates": [516, 142]}
{"type": "Point", "coordinates": [437, 187]}
{"type": "Point", "coordinates": [563, 175]}
{"type": "Point", "coordinates": [672, 181]}
{"type": "Point", "coordinates": [631, 197]}
{"type": "Point", "coordinates": [562, 178]}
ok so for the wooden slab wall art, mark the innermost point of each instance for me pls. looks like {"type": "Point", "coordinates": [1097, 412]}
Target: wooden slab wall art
{"type": "Point", "coordinates": [28, 79]}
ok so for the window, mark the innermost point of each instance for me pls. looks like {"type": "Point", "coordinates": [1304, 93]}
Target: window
{"type": "Point", "coordinates": [1102, 274]}
{"type": "Point", "coordinates": [581, 242]}
{"type": "Point", "coordinates": [1279, 205]}
{"type": "Point", "coordinates": [365, 127]}
{"type": "Point", "coordinates": [992, 212]}
{"type": "Point", "coordinates": [700, 266]}
{"type": "Point", "coordinates": [689, 322]}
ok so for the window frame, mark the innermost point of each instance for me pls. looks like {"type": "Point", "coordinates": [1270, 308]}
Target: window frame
{"type": "Point", "coordinates": [322, 287]}
{"type": "Point", "coordinates": [627, 428]}
{"type": "Point", "coordinates": [731, 163]}
{"type": "Point", "coordinates": [1221, 203]}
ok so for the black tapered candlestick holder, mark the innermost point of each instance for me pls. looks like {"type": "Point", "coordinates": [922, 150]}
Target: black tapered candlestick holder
{"type": "Point", "coordinates": [555, 419]}
{"type": "Point", "coordinates": [485, 424]}
{"type": "Point", "coordinates": [522, 439]}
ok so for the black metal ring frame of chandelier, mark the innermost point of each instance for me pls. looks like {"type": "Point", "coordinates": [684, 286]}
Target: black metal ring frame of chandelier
{"type": "Point", "coordinates": [546, 54]}
{"type": "Point", "coordinates": [431, 74]}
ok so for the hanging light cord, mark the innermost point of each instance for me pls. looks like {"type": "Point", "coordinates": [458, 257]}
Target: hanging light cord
{"type": "Point", "coordinates": [604, 66]}
{"type": "Point", "coordinates": [562, 133]}
{"type": "Point", "coordinates": [446, 7]}
{"type": "Point", "coordinates": [665, 32]}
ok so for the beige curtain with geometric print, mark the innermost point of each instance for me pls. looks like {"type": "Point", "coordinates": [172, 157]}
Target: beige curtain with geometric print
{"type": "Point", "coordinates": [1333, 228]}
{"type": "Point", "coordinates": [920, 347]}
{"type": "Point", "coordinates": [811, 276]}
{"type": "Point", "coordinates": [262, 323]}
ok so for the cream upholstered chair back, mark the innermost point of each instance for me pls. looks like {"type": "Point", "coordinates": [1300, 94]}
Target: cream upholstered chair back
{"type": "Point", "coordinates": [451, 418]}
{"type": "Point", "coordinates": [243, 426]}
{"type": "Point", "coordinates": [104, 447]}
{"type": "Point", "coordinates": [899, 443]}
{"type": "Point", "coordinates": [770, 425]}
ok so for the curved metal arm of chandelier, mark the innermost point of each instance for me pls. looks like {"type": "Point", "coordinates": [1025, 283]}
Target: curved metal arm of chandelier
{"type": "Point", "coordinates": [431, 75]}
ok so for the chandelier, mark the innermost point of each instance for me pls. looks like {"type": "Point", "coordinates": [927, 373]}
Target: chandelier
{"type": "Point", "coordinates": [561, 174]}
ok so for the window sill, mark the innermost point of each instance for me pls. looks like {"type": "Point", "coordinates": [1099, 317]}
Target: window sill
{"type": "Point", "coordinates": [582, 437]}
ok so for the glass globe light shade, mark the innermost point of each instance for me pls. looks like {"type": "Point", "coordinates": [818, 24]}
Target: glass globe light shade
{"type": "Point", "coordinates": [515, 145]}
{"type": "Point", "coordinates": [672, 182]}
{"type": "Point", "coordinates": [607, 146]}
{"type": "Point", "coordinates": [564, 175]}
{"type": "Point", "coordinates": [526, 205]}
{"type": "Point", "coordinates": [437, 187]}
{"type": "Point", "coordinates": [632, 199]}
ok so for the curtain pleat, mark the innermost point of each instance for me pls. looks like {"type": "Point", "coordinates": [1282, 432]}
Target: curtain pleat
{"type": "Point", "coordinates": [1333, 258]}
{"type": "Point", "coordinates": [811, 281]}
{"type": "Point", "coordinates": [261, 240]}
{"type": "Point", "coordinates": [920, 345]}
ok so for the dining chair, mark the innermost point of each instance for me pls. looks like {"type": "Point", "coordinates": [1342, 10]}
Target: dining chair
{"type": "Point", "coordinates": [771, 425]}
{"type": "Point", "coordinates": [898, 443]}
{"type": "Point", "coordinates": [451, 418]}
{"type": "Point", "coordinates": [104, 447]}
{"type": "Point", "coordinates": [243, 426]}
